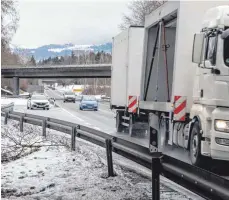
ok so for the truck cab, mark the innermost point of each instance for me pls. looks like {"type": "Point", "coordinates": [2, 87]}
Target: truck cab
{"type": "Point", "coordinates": [210, 109]}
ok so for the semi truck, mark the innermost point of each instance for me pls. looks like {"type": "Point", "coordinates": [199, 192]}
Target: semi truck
{"type": "Point", "coordinates": [175, 79]}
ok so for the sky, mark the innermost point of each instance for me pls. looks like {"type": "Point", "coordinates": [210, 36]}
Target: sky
{"type": "Point", "coordinates": [79, 22]}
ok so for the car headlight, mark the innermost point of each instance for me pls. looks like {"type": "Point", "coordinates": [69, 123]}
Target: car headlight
{"type": "Point", "coordinates": [83, 104]}
{"type": "Point", "coordinates": [222, 125]}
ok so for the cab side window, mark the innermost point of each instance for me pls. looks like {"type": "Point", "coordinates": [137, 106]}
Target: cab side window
{"type": "Point", "coordinates": [210, 53]}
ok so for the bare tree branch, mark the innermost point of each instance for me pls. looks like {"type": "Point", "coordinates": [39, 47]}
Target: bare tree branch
{"type": "Point", "coordinates": [9, 18]}
{"type": "Point", "coordinates": [138, 11]}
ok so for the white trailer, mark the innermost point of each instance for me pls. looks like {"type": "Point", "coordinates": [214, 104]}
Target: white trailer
{"type": "Point", "coordinates": [127, 54]}
{"type": "Point", "coordinates": [185, 82]}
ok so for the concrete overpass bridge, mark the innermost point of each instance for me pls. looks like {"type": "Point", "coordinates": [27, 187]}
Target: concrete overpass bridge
{"type": "Point", "coordinates": [55, 71]}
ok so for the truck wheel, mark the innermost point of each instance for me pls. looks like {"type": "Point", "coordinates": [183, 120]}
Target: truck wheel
{"type": "Point", "coordinates": [119, 126]}
{"type": "Point", "coordinates": [195, 146]}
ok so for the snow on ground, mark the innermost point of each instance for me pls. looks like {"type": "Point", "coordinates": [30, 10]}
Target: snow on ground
{"type": "Point", "coordinates": [56, 173]}
{"type": "Point", "coordinates": [16, 101]}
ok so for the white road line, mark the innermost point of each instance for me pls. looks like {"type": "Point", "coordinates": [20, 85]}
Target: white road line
{"type": "Point", "coordinates": [71, 114]}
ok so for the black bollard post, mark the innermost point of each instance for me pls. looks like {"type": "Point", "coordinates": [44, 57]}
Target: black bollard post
{"type": "Point", "coordinates": [109, 157]}
{"type": "Point", "coordinates": [6, 118]}
{"type": "Point", "coordinates": [21, 123]}
{"type": "Point", "coordinates": [156, 169]}
{"type": "Point", "coordinates": [44, 128]}
{"type": "Point", "coordinates": [73, 139]}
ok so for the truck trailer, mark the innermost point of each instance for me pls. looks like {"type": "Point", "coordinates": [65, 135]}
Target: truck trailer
{"type": "Point", "coordinates": [184, 80]}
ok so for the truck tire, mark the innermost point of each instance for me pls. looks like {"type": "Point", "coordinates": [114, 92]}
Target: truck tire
{"type": "Point", "coordinates": [195, 146]}
{"type": "Point", "coordinates": [119, 126]}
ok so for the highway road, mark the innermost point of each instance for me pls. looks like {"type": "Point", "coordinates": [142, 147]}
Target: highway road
{"type": "Point", "coordinates": [103, 120]}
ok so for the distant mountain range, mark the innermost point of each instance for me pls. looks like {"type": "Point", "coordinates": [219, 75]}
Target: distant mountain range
{"type": "Point", "coordinates": [53, 50]}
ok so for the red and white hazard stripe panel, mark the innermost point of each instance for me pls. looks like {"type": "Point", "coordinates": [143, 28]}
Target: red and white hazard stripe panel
{"type": "Point", "coordinates": [180, 103]}
{"type": "Point", "coordinates": [132, 104]}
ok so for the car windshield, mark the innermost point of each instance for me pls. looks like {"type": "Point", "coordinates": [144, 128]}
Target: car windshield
{"type": "Point", "coordinates": [89, 98]}
{"type": "Point", "coordinates": [226, 51]}
{"type": "Point", "coordinates": [38, 98]}
{"type": "Point", "coordinates": [69, 93]}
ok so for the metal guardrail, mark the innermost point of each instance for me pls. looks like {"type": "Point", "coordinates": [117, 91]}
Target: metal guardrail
{"type": "Point", "coordinates": [7, 107]}
{"type": "Point", "coordinates": [197, 180]}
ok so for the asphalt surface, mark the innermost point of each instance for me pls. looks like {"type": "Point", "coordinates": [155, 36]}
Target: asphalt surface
{"type": "Point", "coordinates": [103, 120]}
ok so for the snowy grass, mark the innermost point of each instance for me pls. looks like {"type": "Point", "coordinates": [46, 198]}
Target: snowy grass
{"type": "Point", "coordinates": [55, 173]}
{"type": "Point", "coordinates": [16, 101]}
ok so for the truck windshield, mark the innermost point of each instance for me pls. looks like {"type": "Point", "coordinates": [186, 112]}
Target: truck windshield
{"type": "Point", "coordinates": [226, 51]}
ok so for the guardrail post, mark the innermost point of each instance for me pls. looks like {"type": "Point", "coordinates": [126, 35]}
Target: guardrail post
{"type": "Point", "coordinates": [6, 118]}
{"type": "Point", "coordinates": [73, 139]}
{"type": "Point", "coordinates": [44, 128]}
{"type": "Point", "coordinates": [155, 167]}
{"type": "Point", "coordinates": [109, 157]}
{"type": "Point", "coordinates": [21, 123]}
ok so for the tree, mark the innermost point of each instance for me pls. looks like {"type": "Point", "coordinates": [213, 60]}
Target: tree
{"type": "Point", "coordinates": [32, 61]}
{"type": "Point", "coordinates": [73, 58]}
{"type": "Point", "coordinates": [97, 57]}
{"type": "Point", "coordinates": [138, 11]}
{"type": "Point", "coordinates": [9, 17]}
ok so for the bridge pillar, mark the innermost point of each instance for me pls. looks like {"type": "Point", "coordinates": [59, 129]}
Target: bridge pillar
{"type": "Point", "coordinates": [16, 85]}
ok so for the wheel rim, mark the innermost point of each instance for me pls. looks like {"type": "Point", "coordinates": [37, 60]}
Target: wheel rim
{"type": "Point", "coordinates": [195, 146]}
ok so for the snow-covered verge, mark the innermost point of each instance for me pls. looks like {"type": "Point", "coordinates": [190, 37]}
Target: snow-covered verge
{"type": "Point", "coordinates": [16, 101]}
{"type": "Point", "coordinates": [53, 172]}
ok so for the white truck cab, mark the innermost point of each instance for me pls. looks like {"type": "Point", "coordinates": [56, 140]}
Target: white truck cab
{"type": "Point", "coordinates": [211, 85]}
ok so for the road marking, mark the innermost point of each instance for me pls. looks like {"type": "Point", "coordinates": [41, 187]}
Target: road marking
{"type": "Point", "coordinates": [71, 114]}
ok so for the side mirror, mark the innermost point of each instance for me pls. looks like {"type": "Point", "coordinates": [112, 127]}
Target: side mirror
{"type": "Point", "coordinates": [197, 49]}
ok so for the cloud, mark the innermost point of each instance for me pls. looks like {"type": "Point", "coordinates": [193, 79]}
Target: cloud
{"type": "Point", "coordinates": [58, 22]}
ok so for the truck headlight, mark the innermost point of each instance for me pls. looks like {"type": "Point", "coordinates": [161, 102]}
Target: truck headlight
{"type": "Point", "coordinates": [222, 125]}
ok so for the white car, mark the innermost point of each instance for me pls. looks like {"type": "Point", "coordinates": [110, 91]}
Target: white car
{"type": "Point", "coordinates": [38, 101]}
{"type": "Point", "coordinates": [69, 96]}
